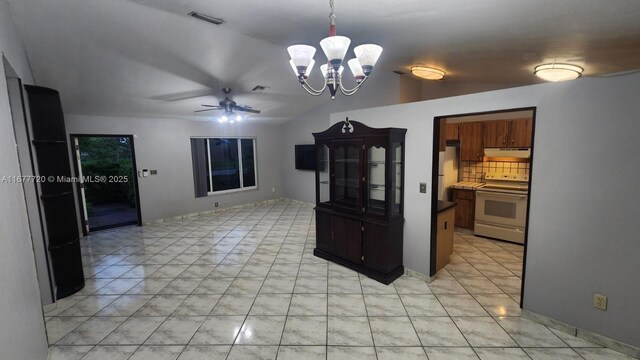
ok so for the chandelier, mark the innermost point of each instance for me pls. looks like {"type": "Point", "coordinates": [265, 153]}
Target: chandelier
{"type": "Point", "coordinates": [335, 48]}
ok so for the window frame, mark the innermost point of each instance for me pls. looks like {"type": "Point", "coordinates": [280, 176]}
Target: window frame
{"type": "Point", "coordinates": [240, 167]}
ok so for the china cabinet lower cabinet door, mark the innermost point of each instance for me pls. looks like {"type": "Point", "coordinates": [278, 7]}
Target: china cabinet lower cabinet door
{"type": "Point", "coordinates": [324, 232]}
{"type": "Point", "coordinates": [383, 249]}
{"type": "Point", "coordinates": [347, 235]}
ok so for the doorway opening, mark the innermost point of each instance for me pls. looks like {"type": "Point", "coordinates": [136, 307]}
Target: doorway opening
{"type": "Point", "coordinates": [107, 186]}
{"type": "Point", "coordinates": [482, 166]}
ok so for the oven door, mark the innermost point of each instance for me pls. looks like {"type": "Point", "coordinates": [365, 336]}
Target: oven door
{"type": "Point", "coordinates": [500, 208]}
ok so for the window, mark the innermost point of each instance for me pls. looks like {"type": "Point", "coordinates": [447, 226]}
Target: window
{"type": "Point", "coordinates": [228, 164]}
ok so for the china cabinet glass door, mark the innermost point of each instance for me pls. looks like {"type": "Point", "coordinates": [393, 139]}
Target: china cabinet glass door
{"type": "Point", "coordinates": [376, 179]}
{"type": "Point", "coordinates": [324, 175]}
{"type": "Point", "coordinates": [396, 178]}
{"type": "Point", "coordinates": [347, 179]}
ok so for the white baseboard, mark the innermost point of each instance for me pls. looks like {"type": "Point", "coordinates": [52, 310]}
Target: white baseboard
{"type": "Point", "coordinates": [417, 275]}
{"type": "Point", "coordinates": [583, 334]}
{"type": "Point", "coordinates": [230, 208]}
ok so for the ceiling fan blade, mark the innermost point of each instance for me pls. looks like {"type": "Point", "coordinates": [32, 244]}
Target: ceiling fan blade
{"type": "Point", "coordinates": [185, 95]}
{"type": "Point", "coordinates": [204, 110]}
{"type": "Point", "coordinates": [246, 109]}
{"type": "Point", "coordinates": [217, 107]}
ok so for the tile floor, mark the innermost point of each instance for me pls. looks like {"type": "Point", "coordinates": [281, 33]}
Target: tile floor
{"type": "Point", "coordinates": [245, 285]}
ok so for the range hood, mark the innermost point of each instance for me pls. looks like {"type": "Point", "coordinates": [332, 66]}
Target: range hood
{"type": "Point", "coordinates": [517, 153]}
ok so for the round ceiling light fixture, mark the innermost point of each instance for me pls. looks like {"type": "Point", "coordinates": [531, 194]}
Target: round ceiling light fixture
{"type": "Point", "coordinates": [428, 73]}
{"type": "Point", "coordinates": [558, 72]}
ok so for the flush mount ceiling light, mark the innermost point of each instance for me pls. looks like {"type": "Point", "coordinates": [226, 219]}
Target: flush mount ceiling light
{"type": "Point", "coordinates": [427, 73]}
{"type": "Point", "coordinates": [558, 72]}
{"type": "Point", "coordinates": [335, 48]}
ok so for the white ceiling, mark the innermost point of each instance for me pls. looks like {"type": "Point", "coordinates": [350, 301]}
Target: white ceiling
{"type": "Point", "coordinates": [144, 57]}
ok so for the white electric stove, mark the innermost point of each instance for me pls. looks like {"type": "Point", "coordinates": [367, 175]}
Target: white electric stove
{"type": "Point", "coordinates": [501, 207]}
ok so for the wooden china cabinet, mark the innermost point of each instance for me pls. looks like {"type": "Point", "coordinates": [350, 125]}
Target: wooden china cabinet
{"type": "Point", "coordinates": [359, 198]}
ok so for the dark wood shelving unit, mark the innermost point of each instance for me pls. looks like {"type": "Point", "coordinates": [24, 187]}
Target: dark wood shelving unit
{"type": "Point", "coordinates": [360, 197]}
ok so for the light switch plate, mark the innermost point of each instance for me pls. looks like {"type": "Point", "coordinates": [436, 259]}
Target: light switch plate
{"type": "Point", "coordinates": [423, 188]}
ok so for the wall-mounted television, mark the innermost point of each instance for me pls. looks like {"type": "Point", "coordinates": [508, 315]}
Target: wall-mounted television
{"type": "Point", "coordinates": [305, 157]}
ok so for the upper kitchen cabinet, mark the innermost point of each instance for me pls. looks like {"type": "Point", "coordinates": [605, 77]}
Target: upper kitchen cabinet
{"type": "Point", "coordinates": [452, 132]}
{"type": "Point", "coordinates": [470, 141]}
{"type": "Point", "coordinates": [443, 135]}
{"type": "Point", "coordinates": [508, 133]}
{"type": "Point", "coordinates": [520, 133]}
{"type": "Point", "coordinates": [496, 133]}
{"type": "Point", "coordinates": [448, 132]}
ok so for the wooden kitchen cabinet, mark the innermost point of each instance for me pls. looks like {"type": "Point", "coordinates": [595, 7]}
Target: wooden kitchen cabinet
{"type": "Point", "coordinates": [443, 135]}
{"type": "Point", "coordinates": [360, 198]}
{"type": "Point", "coordinates": [521, 133]}
{"type": "Point", "coordinates": [448, 132]}
{"type": "Point", "coordinates": [471, 148]}
{"type": "Point", "coordinates": [496, 133]}
{"type": "Point", "coordinates": [452, 132]}
{"type": "Point", "coordinates": [508, 133]}
{"type": "Point", "coordinates": [444, 246]}
{"type": "Point", "coordinates": [466, 210]}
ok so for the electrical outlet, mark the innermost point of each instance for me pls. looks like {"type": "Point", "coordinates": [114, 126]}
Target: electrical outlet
{"type": "Point", "coordinates": [423, 188]}
{"type": "Point", "coordinates": [600, 301]}
{"type": "Point", "coordinates": [273, 190]}
{"type": "Point", "coordinates": [215, 205]}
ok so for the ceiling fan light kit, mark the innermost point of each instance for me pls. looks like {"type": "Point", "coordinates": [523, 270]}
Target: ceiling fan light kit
{"type": "Point", "coordinates": [335, 48]}
{"type": "Point", "coordinates": [229, 106]}
{"type": "Point", "coordinates": [231, 119]}
{"type": "Point", "coordinates": [428, 73]}
{"type": "Point", "coordinates": [558, 71]}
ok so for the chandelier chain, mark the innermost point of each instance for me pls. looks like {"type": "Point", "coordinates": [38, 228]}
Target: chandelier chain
{"type": "Point", "coordinates": [332, 15]}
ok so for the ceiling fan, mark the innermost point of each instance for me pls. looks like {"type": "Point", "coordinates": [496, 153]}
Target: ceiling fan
{"type": "Point", "coordinates": [228, 105]}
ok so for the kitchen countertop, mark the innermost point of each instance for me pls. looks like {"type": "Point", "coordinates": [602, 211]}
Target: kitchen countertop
{"type": "Point", "coordinates": [445, 205]}
{"type": "Point", "coordinates": [467, 185]}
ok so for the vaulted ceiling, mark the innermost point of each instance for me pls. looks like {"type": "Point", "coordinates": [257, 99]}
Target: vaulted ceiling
{"type": "Point", "coordinates": [148, 58]}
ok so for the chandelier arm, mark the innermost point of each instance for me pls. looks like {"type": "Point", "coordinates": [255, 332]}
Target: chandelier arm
{"type": "Point", "coordinates": [305, 85]}
{"type": "Point", "coordinates": [349, 92]}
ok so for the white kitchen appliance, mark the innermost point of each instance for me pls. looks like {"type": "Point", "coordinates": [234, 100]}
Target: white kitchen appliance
{"type": "Point", "coordinates": [501, 207]}
{"type": "Point", "coordinates": [447, 172]}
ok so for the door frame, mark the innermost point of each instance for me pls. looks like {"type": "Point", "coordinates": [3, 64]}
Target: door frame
{"type": "Point", "coordinates": [77, 171]}
{"type": "Point", "coordinates": [434, 186]}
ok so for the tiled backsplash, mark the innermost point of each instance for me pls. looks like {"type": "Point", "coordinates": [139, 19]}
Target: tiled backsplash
{"type": "Point", "coordinates": [474, 171]}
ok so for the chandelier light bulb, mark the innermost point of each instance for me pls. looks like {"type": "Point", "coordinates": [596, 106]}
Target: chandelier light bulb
{"type": "Point", "coordinates": [335, 48]}
{"type": "Point", "coordinates": [368, 55]}
{"type": "Point", "coordinates": [307, 71]}
{"type": "Point", "coordinates": [302, 55]}
{"type": "Point", "coordinates": [238, 118]}
{"type": "Point", "coordinates": [356, 69]}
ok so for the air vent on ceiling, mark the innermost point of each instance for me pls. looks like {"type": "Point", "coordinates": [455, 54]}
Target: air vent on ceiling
{"type": "Point", "coordinates": [259, 88]}
{"type": "Point", "coordinates": [207, 18]}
